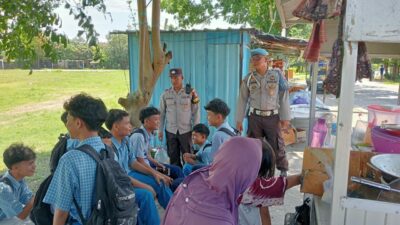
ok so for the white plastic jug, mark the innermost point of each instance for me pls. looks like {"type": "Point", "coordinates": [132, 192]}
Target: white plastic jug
{"type": "Point", "coordinates": [161, 155]}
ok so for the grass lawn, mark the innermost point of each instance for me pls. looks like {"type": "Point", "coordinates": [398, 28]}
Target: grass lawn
{"type": "Point", "coordinates": [31, 105]}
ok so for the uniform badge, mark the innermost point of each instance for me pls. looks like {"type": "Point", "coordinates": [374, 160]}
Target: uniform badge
{"type": "Point", "coordinates": [253, 87]}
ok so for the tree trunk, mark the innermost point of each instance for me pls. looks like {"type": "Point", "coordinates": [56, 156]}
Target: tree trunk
{"type": "Point", "coordinates": [148, 72]}
{"type": "Point", "coordinates": [398, 96]}
{"type": "Point", "coordinates": [386, 66]}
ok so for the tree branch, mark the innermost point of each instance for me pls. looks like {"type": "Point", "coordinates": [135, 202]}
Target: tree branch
{"type": "Point", "coordinates": [144, 46]}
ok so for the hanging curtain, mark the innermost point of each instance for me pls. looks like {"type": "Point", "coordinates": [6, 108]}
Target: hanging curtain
{"type": "Point", "coordinates": [316, 11]}
{"type": "Point", "coordinates": [318, 37]}
{"type": "Point", "coordinates": [364, 68]}
{"type": "Point", "coordinates": [334, 76]}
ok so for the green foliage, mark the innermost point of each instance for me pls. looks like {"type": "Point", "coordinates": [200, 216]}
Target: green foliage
{"type": "Point", "coordinates": [77, 49]}
{"type": "Point", "coordinates": [301, 31]}
{"type": "Point", "coordinates": [115, 52]}
{"type": "Point", "coordinates": [260, 14]}
{"type": "Point", "coordinates": [23, 21]}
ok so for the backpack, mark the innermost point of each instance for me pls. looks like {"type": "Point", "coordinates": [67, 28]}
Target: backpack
{"type": "Point", "coordinates": [229, 132]}
{"type": "Point", "coordinates": [302, 215]}
{"type": "Point", "coordinates": [114, 197]}
{"type": "Point", "coordinates": [139, 131]}
{"type": "Point", "coordinates": [59, 150]}
{"type": "Point", "coordinates": [41, 213]}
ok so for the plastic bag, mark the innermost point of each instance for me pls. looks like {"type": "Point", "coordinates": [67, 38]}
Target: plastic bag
{"type": "Point", "coordinates": [161, 155]}
{"type": "Point", "coordinates": [328, 186]}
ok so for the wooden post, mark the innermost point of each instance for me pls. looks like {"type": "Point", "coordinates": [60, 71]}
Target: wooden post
{"type": "Point", "coordinates": [343, 140]}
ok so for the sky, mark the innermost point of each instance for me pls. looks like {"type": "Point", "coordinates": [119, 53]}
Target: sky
{"type": "Point", "coordinates": [121, 18]}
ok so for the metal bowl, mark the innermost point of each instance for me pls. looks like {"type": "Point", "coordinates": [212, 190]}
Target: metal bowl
{"type": "Point", "coordinates": [388, 164]}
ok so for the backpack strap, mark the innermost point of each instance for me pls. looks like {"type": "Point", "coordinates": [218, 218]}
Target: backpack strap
{"type": "Point", "coordinates": [96, 156]}
{"type": "Point", "coordinates": [6, 180]}
{"type": "Point", "coordinates": [207, 145]}
{"type": "Point", "coordinates": [90, 151]}
{"type": "Point", "coordinates": [79, 211]}
{"type": "Point", "coordinates": [229, 132]}
{"type": "Point", "coordinates": [139, 131]}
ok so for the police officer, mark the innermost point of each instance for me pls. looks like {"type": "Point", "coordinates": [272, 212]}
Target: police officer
{"type": "Point", "coordinates": [180, 111]}
{"type": "Point", "coordinates": [264, 92]}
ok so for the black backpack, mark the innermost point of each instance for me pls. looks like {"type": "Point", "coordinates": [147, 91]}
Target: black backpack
{"type": "Point", "coordinates": [229, 132]}
{"type": "Point", "coordinates": [114, 197]}
{"type": "Point", "coordinates": [302, 215]}
{"type": "Point", "coordinates": [41, 212]}
{"type": "Point", "coordinates": [59, 150]}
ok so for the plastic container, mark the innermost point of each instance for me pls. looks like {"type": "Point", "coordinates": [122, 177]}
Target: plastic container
{"type": "Point", "coordinates": [330, 139]}
{"type": "Point", "coordinates": [161, 156]}
{"type": "Point", "coordinates": [319, 133]}
{"type": "Point", "coordinates": [384, 141]}
{"type": "Point", "coordinates": [383, 114]}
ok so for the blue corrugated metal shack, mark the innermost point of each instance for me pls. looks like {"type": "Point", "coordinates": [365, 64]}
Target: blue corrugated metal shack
{"type": "Point", "coordinates": [213, 61]}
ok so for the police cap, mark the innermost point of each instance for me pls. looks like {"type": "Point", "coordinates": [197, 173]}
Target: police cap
{"type": "Point", "coordinates": [175, 72]}
{"type": "Point", "coordinates": [259, 51]}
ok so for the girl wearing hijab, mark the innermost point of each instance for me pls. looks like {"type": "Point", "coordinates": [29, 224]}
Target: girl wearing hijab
{"type": "Point", "coordinates": [209, 195]}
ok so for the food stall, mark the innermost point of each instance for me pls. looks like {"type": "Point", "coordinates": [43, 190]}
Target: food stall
{"type": "Point", "coordinates": [377, 23]}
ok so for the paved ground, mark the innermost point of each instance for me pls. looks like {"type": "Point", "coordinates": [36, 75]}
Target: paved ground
{"type": "Point", "coordinates": [366, 93]}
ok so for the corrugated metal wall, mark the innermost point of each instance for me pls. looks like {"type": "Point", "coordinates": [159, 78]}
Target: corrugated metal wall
{"type": "Point", "coordinates": [211, 61]}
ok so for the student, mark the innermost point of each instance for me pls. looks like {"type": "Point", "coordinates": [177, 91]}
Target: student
{"type": "Point", "coordinates": [265, 191]}
{"type": "Point", "coordinates": [140, 139]}
{"type": "Point", "coordinates": [74, 177]}
{"type": "Point", "coordinates": [120, 127]}
{"type": "Point", "coordinates": [202, 157]}
{"type": "Point", "coordinates": [217, 111]}
{"type": "Point", "coordinates": [209, 195]}
{"type": "Point", "coordinates": [140, 144]}
{"type": "Point", "coordinates": [73, 143]}
{"type": "Point", "coordinates": [16, 199]}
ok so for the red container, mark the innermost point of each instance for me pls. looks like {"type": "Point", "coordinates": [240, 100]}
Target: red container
{"type": "Point", "coordinates": [384, 141]}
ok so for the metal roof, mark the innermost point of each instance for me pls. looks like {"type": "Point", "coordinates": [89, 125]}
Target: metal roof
{"type": "Point", "coordinates": [250, 30]}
